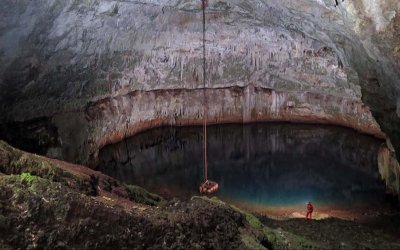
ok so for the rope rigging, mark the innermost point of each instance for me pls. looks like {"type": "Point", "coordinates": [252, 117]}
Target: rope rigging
{"type": "Point", "coordinates": [208, 186]}
{"type": "Point", "coordinates": [205, 109]}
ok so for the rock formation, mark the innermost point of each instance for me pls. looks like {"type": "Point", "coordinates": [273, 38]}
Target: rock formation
{"type": "Point", "coordinates": [76, 75]}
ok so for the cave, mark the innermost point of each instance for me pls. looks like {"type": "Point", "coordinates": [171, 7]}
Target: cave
{"type": "Point", "coordinates": [113, 112]}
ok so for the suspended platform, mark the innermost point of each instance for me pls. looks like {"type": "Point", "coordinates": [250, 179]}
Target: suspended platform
{"type": "Point", "coordinates": [208, 187]}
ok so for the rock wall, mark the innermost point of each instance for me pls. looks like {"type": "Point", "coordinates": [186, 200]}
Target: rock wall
{"type": "Point", "coordinates": [116, 118]}
{"type": "Point", "coordinates": [61, 60]}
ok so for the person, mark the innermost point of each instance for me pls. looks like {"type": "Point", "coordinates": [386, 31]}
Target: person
{"type": "Point", "coordinates": [310, 209]}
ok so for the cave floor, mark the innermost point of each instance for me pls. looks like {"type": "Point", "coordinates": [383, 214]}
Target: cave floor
{"type": "Point", "coordinates": [335, 233]}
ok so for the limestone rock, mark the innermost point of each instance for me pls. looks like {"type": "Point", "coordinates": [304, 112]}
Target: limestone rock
{"type": "Point", "coordinates": [60, 59]}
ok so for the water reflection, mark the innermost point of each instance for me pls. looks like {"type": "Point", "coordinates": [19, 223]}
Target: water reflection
{"type": "Point", "coordinates": [256, 164]}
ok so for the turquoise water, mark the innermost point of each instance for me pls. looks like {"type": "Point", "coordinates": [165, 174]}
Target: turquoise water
{"type": "Point", "coordinates": [269, 164]}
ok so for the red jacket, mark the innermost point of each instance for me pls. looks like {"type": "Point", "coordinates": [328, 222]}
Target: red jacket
{"type": "Point", "coordinates": [310, 207]}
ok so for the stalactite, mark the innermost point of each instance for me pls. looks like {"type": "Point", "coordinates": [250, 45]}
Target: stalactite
{"type": "Point", "coordinates": [182, 66]}
{"type": "Point", "coordinates": [255, 63]}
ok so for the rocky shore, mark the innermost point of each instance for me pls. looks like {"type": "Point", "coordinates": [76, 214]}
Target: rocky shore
{"type": "Point", "coordinates": [50, 204]}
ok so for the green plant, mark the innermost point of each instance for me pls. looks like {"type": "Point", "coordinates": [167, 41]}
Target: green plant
{"type": "Point", "coordinates": [28, 178]}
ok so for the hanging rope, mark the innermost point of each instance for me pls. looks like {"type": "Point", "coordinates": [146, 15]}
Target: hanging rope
{"type": "Point", "coordinates": [208, 187]}
{"type": "Point", "coordinates": [205, 106]}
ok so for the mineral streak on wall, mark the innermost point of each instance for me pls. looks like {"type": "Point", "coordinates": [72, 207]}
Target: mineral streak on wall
{"type": "Point", "coordinates": [389, 169]}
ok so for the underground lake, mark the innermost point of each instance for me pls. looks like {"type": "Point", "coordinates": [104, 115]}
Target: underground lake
{"type": "Point", "coordinates": [269, 168]}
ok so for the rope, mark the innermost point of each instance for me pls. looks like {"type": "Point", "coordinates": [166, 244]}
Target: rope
{"type": "Point", "coordinates": [205, 108]}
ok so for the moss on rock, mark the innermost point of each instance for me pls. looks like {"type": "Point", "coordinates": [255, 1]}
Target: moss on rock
{"type": "Point", "coordinates": [28, 178]}
{"type": "Point", "coordinates": [14, 161]}
{"type": "Point", "coordinates": [30, 166]}
{"type": "Point", "coordinates": [140, 195]}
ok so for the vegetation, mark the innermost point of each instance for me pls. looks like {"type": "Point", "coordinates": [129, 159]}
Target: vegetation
{"type": "Point", "coordinates": [29, 167]}
{"type": "Point", "coordinates": [28, 178]}
{"type": "Point", "coordinates": [14, 161]}
{"type": "Point", "coordinates": [140, 195]}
